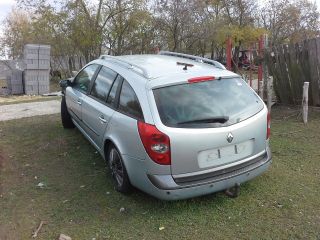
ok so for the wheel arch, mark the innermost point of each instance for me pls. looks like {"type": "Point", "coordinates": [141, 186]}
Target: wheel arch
{"type": "Point", "coordinates": [109, 142]}
{"type": "Point", "coordinates": [106, 144]}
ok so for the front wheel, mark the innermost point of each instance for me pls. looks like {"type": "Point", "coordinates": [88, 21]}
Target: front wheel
{"type": "Point", "coordinates": [118, 171]}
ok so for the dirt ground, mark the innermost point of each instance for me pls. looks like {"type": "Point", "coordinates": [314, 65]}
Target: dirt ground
{"type": "Point", "coordinates": [30, 109]}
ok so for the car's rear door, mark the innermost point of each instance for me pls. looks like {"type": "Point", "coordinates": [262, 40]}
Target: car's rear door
{"type": "Point", "coordinates": [96, 111]}
{"type": "Point", "coordinates": [78, 91]}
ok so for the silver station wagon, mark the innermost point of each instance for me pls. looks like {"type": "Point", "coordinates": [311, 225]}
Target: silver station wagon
{"type": "Point", "coordinates": [173, 125]}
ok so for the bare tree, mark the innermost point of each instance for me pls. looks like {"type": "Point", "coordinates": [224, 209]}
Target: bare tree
{"type": "Point", "coordinates": [290, 21]}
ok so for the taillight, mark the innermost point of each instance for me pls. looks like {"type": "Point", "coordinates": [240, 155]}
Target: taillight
{"type": "Point", "coordinates": [156, 143]}
{"type": "Point", "coordinates": [201, 79]}
{"type": "Point", "coordinates": [268, 125]}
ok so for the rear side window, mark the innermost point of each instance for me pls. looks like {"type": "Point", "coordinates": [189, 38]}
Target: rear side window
{"type": "Point", "coordinates": [82, 80]}
{"type": "Point", "coordinates": [128, 102]}
{"type": "Point", "coordinates": [102, 84]}
{"type": "Point", "coordinates": [207, 104]}
{"type": "Point", "coordinates": [113, 92]}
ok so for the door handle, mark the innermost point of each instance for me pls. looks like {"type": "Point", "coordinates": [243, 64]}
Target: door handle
{"type": "Point", "coordinates": [101, 118]}
{"type": "Point", "coordinates": [79, 102]}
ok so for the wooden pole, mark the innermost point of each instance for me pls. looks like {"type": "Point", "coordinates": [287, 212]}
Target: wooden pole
{"type": "Point", "coordinates": [305, 102]}
{"type": "Point", "coordinates": [228, 52]}
{"type": "Point", "coordinates": [269, 92]}
{"type": "Point", "coordinates": [266, 78]}
{"type": "Point", "coordinates": [260, 68]}
{"type": "Point", "coordinates": [250, 66]}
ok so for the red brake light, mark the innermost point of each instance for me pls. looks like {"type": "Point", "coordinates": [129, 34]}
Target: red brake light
{"type": "Point", "coordinates": [268, 125]}
{"type": "Point", "coordinates": [156, 143]}
{"type": "Point", "coordinates": [201, 79]}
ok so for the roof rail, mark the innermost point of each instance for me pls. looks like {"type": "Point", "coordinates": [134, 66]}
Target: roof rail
{"type": "Point", "coordinates": [138, 69]}
{"type": "Point", "coordinates": [195, 58]}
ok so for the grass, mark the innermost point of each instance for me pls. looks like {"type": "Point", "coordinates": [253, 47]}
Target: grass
{"type": "Point", "coordinates": [79, 200]}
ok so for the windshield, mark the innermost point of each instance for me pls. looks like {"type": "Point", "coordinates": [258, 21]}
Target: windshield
{"type": "Point", "coordinates": [215, 103]}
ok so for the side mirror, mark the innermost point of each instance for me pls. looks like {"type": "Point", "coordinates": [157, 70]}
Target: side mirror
{"type": "Point", "coordinates": [74, 73]}
{"type": "Point", "coordinates": [65, 83]}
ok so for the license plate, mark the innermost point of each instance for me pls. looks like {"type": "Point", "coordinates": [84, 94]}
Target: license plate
{"type": "Point", "coordinates": [225, 155]}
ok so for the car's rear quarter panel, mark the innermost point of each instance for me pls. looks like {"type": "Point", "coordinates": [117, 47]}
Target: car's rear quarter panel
{"type": "Point", "coordinates": [122, 131]}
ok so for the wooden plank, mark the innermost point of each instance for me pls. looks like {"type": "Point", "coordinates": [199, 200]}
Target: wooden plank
{"type": "Point", "coordinates": [293, 72]}
{"type": "Point", "coordinates": [296, 73]}
{"type": "Point", "coordinates": [294, 65]}
{"type": "Point", "coordinates": [312, 50]}
{"type": "Point", "coordinates": [305, 102]}
{"type": "Point", "coordinates": [306, 65]}
{"type": "Point", "coordinates": [286, 75]}
{"type": "Point", "coordinates": [269, 58]}
{"type": "Point", "coordinates": [269, 92]}
{"type": "Point", "coordinates": [278, 75]}
{"type": "Point", "coordinates": [318, 62]}
{"type": "Point", "coordinates": [270, 62]}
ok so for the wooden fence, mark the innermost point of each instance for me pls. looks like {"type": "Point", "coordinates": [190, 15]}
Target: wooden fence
{"type": "Point", "coordinates": [291, 66]}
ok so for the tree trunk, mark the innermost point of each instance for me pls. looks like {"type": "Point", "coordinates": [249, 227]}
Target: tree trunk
{"type": "Point", "coordinates": [212, 50]}
{"type": "Point", "coordinates": [235, 58]}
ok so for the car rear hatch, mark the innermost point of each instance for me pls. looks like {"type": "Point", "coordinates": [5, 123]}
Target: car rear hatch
{"type": "Point", "coordinates": [211, 123]}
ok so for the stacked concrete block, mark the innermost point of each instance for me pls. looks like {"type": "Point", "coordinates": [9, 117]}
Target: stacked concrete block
{"type": "Point", "coordinates": [4, 86]}
{"type": "Point", "coordinates": [36, 73]}
{"type": "Point", "coordinates": [36, 81]}
{"type": "Point", "coordinates": [14, 81]}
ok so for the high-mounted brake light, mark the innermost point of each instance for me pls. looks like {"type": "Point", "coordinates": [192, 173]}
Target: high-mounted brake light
{"type": "Point", "coordinates": [201, 79]}
{"type": "Point", "coordinates": [268, 125]}
{"type": "Point", "coordinates": [156, 143]}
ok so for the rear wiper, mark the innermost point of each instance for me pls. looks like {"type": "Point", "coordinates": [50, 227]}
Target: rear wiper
{"type": "Point", "coordinates": [219, 119]}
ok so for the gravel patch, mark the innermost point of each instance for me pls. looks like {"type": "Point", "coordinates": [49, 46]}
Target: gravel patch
{"type": "Point", "coordinates": [22, 110]}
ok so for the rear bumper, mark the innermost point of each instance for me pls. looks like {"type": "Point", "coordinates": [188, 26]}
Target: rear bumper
{"type": "Point", "coordinates": [168, 182]}
{"type": "Point", "coordinates": [167, 188]}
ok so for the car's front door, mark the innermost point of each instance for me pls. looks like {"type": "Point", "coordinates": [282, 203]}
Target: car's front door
{"type": "Point", "coordinates": [77, 93]}
{"type": "Point", "coordinates": [96, 112]}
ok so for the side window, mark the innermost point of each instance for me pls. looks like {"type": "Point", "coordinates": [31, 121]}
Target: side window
{"type": "Point", "coordinates": [82, 80]}
{"type": "Point", "coordinates": [102, 84]}
{"type": "Point", "coordinates": [128, 102]}
{"type": "Point", "coordinates": [112, 95]}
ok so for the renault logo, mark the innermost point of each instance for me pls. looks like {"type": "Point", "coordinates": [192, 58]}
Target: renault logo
{"type": "Point", "coordinates": [229, 137]}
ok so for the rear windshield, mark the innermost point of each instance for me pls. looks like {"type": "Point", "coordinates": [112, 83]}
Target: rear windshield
{"type": "Point", "coordinates": [207, 104]}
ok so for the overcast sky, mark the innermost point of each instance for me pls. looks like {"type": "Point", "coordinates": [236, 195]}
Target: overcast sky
{"type": "Point", "coordinates": [6, 6]}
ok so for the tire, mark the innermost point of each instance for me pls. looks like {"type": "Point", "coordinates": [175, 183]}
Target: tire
{"type": "Point", "coordinates": [65, 116]}
{"type": "Point", "coordinates": [118, 171]}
